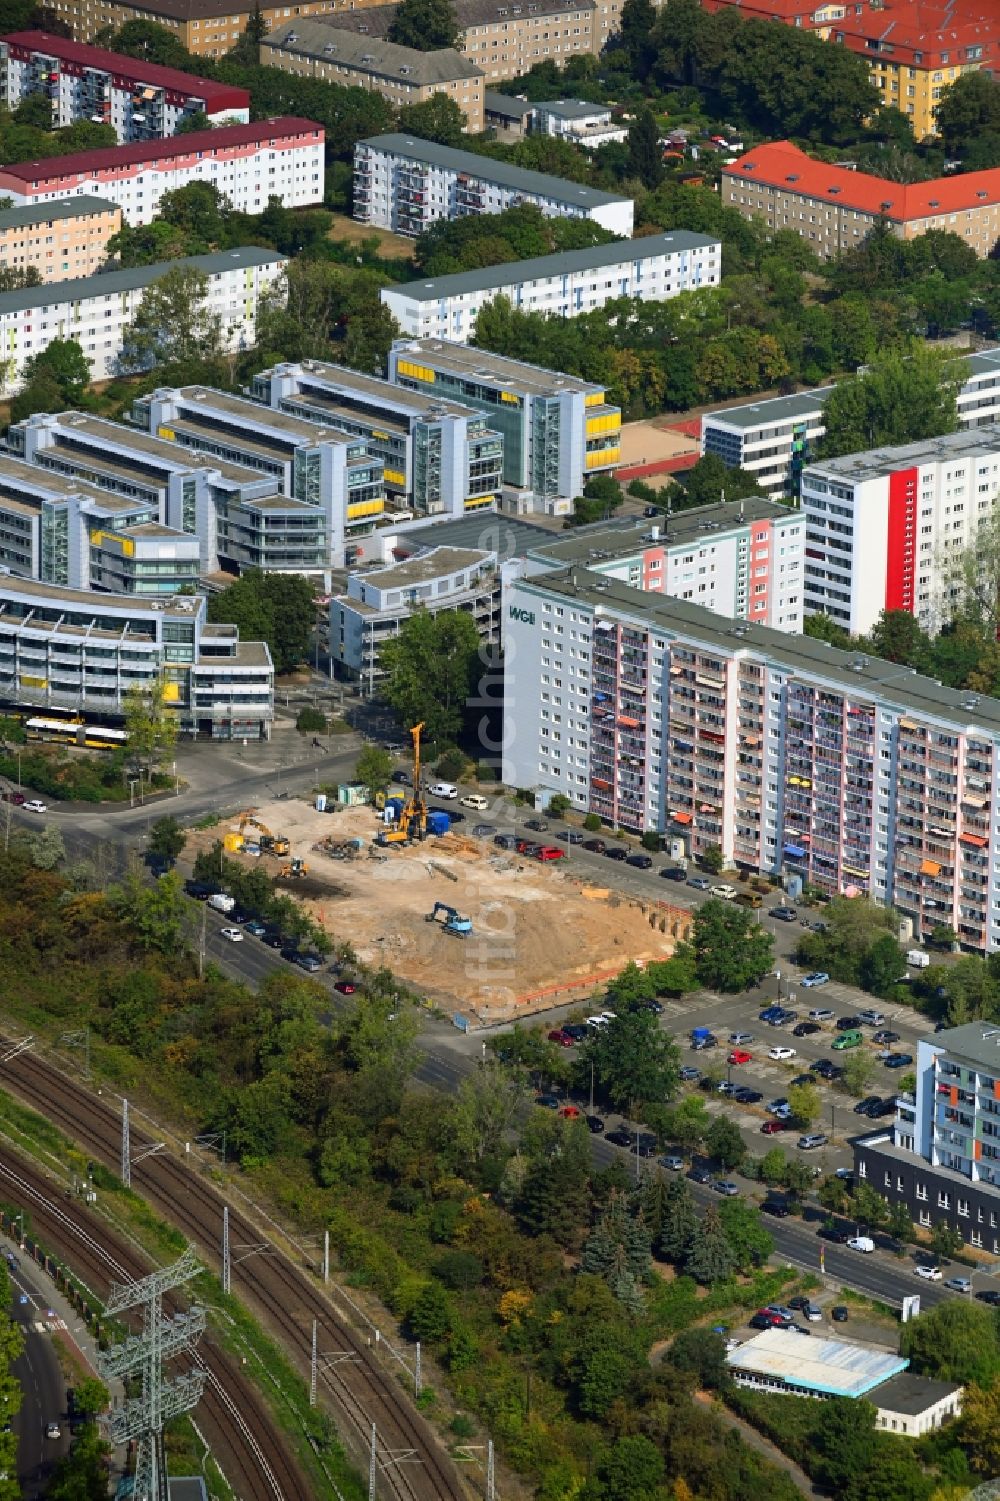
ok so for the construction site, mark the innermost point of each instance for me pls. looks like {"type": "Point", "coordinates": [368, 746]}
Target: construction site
{"type": "Point", "coordinates": [478, 931]}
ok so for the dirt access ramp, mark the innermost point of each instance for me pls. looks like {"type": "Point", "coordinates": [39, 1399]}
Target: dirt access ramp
{"type": "Point", "coordinates": [540, 935]}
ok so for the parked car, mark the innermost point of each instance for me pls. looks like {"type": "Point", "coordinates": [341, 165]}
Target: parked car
{"type": "Point", "coordinates": [550, 852]}
{"type": "Point", "coordinates": [232, 935]}
{"type": "Point", "coordinates": [539, 825]}
{"type": "Point", "coordinates": [570, 836]}
{"type": "Point", "coordinates": [781, 1055]}
{"type": "Point", "coordinates": [575, 1030]}
{"type": "Point", "coordinates": [346, 987]}
{"type": "Point", "coordinates": [821, 1014]}
{"type": "Point", "coordinates": [596, 846]}
{"type": "Point", "coordinates": [871, 1018]}
{"type": "Point", "coordinates": [13, 796]}
{"type": "Point", "coordinates": [862, 1243]}
{"type": "Point", "coordinates": [675, 1164]}
{"type": "Point", "coordinates": [818, 977]}
{"type": "Point", "coordinates": [989, 1295]}
{"type": "Point", "coordinates": [810, 1140]}
{"type": "Point", "coordinates": [698, 883]}
{"type": "Point", "coordinates": [35, 805]}
{"type": "Point", "coordinates": [959, 1284]}
{"type": "Point", "coordinates": [700, 1175]}
{"type": "Point", "coordinates": [724, 893]}
{"type": "Point", "coordinates": [674, 873]}
{"type": "Point", "coordinates": [929, 1273]}
{"type": "Point", "coordinates": [595, 1124]}
{"type": "Point", "coordinates": [848, 1023]}
{"type": "Point", "coordinates": [505, 841]}
{"type": "Point", "coordinates": [476, 801]}
{"type": "Point", "coordinates": [744, 1096]}
{"type": "Point", "coordinates": [548, 1101]}
{"type": "Point", "coordinates": [616, 852]}
{"type": "Point", "coordinates": [641, 862]}
{"type": "Point", "coordinates": [689, 1074]}
{"type": "Point", "coordinates": [255, 928]}
{"type": "Point", "coordinates": [806, 1029]}
{"type": "Point", "coordinates": [863, 1106]}
{"type": "Point", "coordinates": [563, 1039]}
{"type": "Point", "coordinates": [740, 1039]}
{"type": "Point", "coordinates": [771, 1128]}
{"type": "Point", "coordinates": [620, 1137]}
{"type": "Point", "coordinates": [832, 1233]}
{"type": "Point", "coordinates": [446, 790]}
{"type": "Point", "coordinates": [899, 1060]}
{"type": "Point", "coordinates": [726, 1188]}
{"type": "Point", "coordinates": [839, 1315]}
{"type": "Point", "coordinates": [775, 1206]}
{"type": "Point", "coordinates": [309, 962]}
{"type": "Point", "coordinates": [885, 1038]}
{"type": "Point", "coordinates": [739, 1055]}
{"type": "Point", "coordinates": [784, 914]}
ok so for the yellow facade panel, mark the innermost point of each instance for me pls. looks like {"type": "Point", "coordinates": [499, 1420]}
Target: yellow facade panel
{"type": "Point", "coordinates": [394, 477]}
{"type": "Point", "coordinates": [365, 508]}
{"type": "Point", "coordinates": [595, 399]}
{"type": "Point", "coordinates": [415, 372]}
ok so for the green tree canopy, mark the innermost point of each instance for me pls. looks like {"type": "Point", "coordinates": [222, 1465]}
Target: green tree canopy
{"type": "Point", "coordinates": [430, 669]}
{"type": "Point", "coordinates": [968, 109]}
{"type": "Point", "coordinates": [645, 154]}
{"type": "Point", "coordinates": [732, 951]}
{"type": "Point", "coordinates": [166, 838]}
{"type": "Point", "coordinates": [277, 608]}
{"type": "Point", "coordinates": [150, 43]}
{"type": "Point", "coordinates": [438, 118]}
{"type": "Point", "coordinates": [954, 1341]}
{"type": "Point", "coordinates": [904, 394]}
{"type": "Point", "coordinates": [173, 325]}
{"type": "Point", "coordinates": [633, 1060]}
{"type": "Point", "coordinates": [427, 25]}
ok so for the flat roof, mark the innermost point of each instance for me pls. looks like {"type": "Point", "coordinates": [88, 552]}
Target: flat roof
{"type": "Point", "coordinates": [215, 95]}
{"type": "Point", "coordinates": [111, 283]}
{"type": "Point", "coordinates": [211, 142]}
{"type": "Point", "coordinates": [978, 1041]}
{"type": "Point", "coordinates": [172, 455]}
{"type": "Point", "coordinates": [282, 503]}
{"type": "Point", "coordinates": [320, 37]}
{"type": "Point", "coordinates": [572, 109]}
{"type": "Point", "coordinates": [63, 208]}
{"type": "Point", "coordinates": [157, 529]}
{"type": "Point", "coordinates": [354, 383]}
{"type": "Point", "coordinates": [911, 1395]}
{"type": "Point", "coordinates": [868, 677]}
{"type": "Point", "coordinates": [490, 170]}
{"type": "Point", "coordinates": [424, 568]}
{"type": "Point", "coordinates": [968, 443]}
{"type": "Point", "coordinates": [255, 413]}
{"type": "Point", "coordinates": [565, 263]}
{"type": "Point", "coordinates": [614, 539]}
{"type": "Point", "coordinates": [506, 536]}
{"type": "Point", "coordinates": [775, 410]}
{"type": "Point", "coordinates": [507, 104]}
{"type": "Point", "coordinates": [495, 369]}
{"type": "Point", "coordinates": [48, 482]}
{"type": "Point", "coordinates": [830, 1366]}
{"type": "Point", "coordinates": [51, 596]}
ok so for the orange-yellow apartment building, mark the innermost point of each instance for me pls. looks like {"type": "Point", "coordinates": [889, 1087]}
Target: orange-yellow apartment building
{"type": "Point", "coordinates": [65, 240]}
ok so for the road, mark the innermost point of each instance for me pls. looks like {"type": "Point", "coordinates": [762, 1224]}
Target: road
{"type": "Point", "coordinates": [43, 1388]}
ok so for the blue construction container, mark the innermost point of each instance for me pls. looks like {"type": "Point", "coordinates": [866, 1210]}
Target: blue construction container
{"type": "Point", "coordinates": [438, 821]}
{"type": "Point", "coordinates": [395, 805]}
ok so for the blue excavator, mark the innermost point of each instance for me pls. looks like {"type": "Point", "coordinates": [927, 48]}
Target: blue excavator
{"type": "Point", "coordinates": [451, 920]}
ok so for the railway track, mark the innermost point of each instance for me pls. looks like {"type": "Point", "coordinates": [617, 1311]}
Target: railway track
{"type": "Point", "coordinates": [410, 1463]}
{"type": "Point", "coordinates": [250, 1448]}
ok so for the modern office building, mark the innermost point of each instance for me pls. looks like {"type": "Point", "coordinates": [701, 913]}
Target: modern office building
{"type": "Point", "coordinates": [652, 269]}
{"type": "Point", "coordinates": [249, 164]}
{"type": "Point", "coordinates": [141, 100]}
{"type": "Point", "coordinates": [883, 527]}
{"type": "Point", "coordinates": [64, 241]}
{"type": "Point", "coordinates": [854, 774]}
{"type": "Point", "coordinates": [63, 531]}
{"type": "Point", "coordinates": [318, 465]}
{"type": "Point", "coordinates": [96, 310]}
{"type": "Point", "coordinates": [834, 208]}
{"type": "Point", "coordinates": [377, 605]}
{"type": "Point", "coordinates": [322, 49]}
{"type": "Point", "coordinates": [439, 458]}
{"type": "Point", "coordinates": [406, 184]}
{"type": "Point", "coordinates": [557, 430]}
{"type": "Point", "coordinates": [77, 649]}
{"type": "Point", "coordinates": [740, 558]}
{"type": "Point", "coordinates": [776, 438]}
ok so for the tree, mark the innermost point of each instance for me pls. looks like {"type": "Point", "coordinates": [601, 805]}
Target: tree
{"type": "Point", "coordinates": [635, 38]}
{"type": "Point", "coordinates": [277, 608]}
{"type": "Point", "coordinates": [247, 49]}
{"type": "Point", "coordinates": [427, 25]}
{"type": "Point", "coordinates": [680, 1220]}
{"type": "Point", "coordinates": [487, 1105]}
{"type": "Point", "coordinates": [980, 1427]}
{"type": "Point", "coordinates": [859, 1071]}
{"type": "Point", "coordinates": [429, 669]}
{"type": "Point", "coordinates": [151, 726]}
{"type": "Point", "coordinates": [724, 1143]}
{"type": "Point", "coordinates": [702, 1352]}
{"type": "Point", "coordinates": [555, 1192]}
{"type": "Point", "coordinates": [732, 951]}
{"type": "Point", "coordinates": [853, 925]}
{"type": "Point", "coordinates": [969, 108]}
{"type": "Point", "coordinates": [166, 838]}
{"type": "Point", "coordinates": [905, 394]}
{"type": "Point", "coordinates": [151, 43]}
{"type": "Point", "coordinates": [898, 1222]}
{"type": "Point", "coordinates": [173, 325]}
{"type": "Point", "coordinates": [709, 1257]}
{"type": "Point", "coordinates": [713, 859]}
{"type": "Point", "coordinates": [805, 1103]}
{"type": "Point", "coordinates": [882, 966]}
{"type": "Point", "coordinates": [438, 118]}
{"type": "Point", "coordinates": [953, 1341]}
{"type": "Point", "coordinates": [54, 379]}
{"type": "Point", "coordinates": [35, 110]}
{"type": "Point", "coordinates": [157, 914]}
{"type": "Point", "coordinates": [773, 1165]}
{"type": "Point", "coordinates": [645, 155]}
{"type": "Point", "coordinates": [750, 1243]}
{"type": "Point", "coordinates": [844, 1442]}
{"type": "Point", "coordinates": [193, 121]}
{"type": "Point", "coordinates": [945, 1240]}
{"type": "Point", "coordinates": [374, 770]}
{"type": "Point", "coordinates": [686, 1125]}
{"type": "Point", "coordinates": [868, 1207]}
{"type": "Point", "coordinates": [634, 1061]}
{"type": "Point", "coordinates": [632, 1469]}
{"type": "Point", "coordinates": [45, 847]}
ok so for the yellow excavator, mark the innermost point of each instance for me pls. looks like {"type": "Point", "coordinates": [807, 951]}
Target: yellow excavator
{"type": "Point", "coordinates": [412, 821]}
{"type": "Point", "coordinates": [271, 844]}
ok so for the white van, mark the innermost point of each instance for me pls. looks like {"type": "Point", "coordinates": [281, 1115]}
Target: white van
{"type": "Point", "coordinates": [444, 789]}
{"type": "Point", "coordinates": [476, 801]}
{"type": "Point", "coordinates": [917, 959]}
{"type": "Point", "coordinates": [861, 1243]}
{"type": "Point", "coordinates": [221, 902]}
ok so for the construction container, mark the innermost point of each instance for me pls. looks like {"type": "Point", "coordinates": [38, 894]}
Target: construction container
{"type": "Point", "coordinates": [438, 821]}
{"type": "Point", "coordinates": [352, 794]}
{"type": "Point", "coordinates": [394, 807]}
{"type": "Point", "coordinates": [232, 842]}
{"type": "Point", "coordinates": [321, 802]}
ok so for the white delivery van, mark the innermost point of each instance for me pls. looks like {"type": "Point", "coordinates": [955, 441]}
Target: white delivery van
{"type": "Point", "coordinates": [917, 959]}
{"type": "Point", "coordinates": [861, 1243]}
{"type": "Point", "coordinates": [221, 902]}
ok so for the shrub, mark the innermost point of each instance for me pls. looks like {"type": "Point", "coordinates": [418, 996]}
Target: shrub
{"type": "Point", "coordinates": [559, 805]}
{"type": "Point", "coordinates": [452, 764]}
{"type": "Point", "coordinates": [651, 841]}
{"type": "Point", "coordinates": [592, 822]}
{"type": "Point", "coordinates": [310, 721]}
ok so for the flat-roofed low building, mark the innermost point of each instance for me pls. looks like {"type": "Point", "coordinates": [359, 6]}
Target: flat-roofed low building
{"type": "Point", "coordinates": [652, 269]}
{"type": "Point", "coordinates": [83, 650]}
{"type": "Point", "coordinates": [378, 604]}
{"type": "Point", "coordinates": [508, 114]}
{"type": "Point", "coordinates": [439, 457]}
{"type": "Point", "coordinates": [64, 241]}
{"type": "Point", "coordinates": [406, 184]}
{"type": "Point", "coordinates": [320, 48]}
{"type": "Point", "coordinates": [914, 1405]}
{"type": "Point", "coordinates": [578, 121]}
{"type": "Point", "coordinates": [774, 1361]}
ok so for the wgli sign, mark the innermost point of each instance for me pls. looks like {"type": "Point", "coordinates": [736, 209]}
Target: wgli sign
{"type": "Point", "coordinates": [526, 617]}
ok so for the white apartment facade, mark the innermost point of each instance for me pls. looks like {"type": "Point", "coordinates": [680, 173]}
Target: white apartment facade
{"type": "Point", "coordinates": [281, 158]}
{"type": "Point", "coordinates": [96, 310]}
{"type": "Point", "coordinates": [405, 184]}
{"type": "Point", "coordinates": [883, 527]}
{"type": "Point", "coordinates": [652, 269]}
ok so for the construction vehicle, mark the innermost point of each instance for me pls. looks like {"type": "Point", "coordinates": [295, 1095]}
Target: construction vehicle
{"type": "Point", "coordinates": [295, 867]}
{"type": "Point", "coordinates": [412, 821]}
{"type": "Point", "coordinates": [451, 920]}
{"type": "Point", "coordinates": [271, 844]}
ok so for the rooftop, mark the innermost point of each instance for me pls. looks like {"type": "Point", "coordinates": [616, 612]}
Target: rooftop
{"type": "Point", "coordinates": [351, 383]}
{"type": "Point", "coordinates": [323, 38]}
{"type": "Point", "coordinates": [470, 364]}
{"type": "Point", "coordinates": [296, 429]}
{"type": "Point", "coordinates": [519, 178]}
{"type": "Point", "coordinates": [64, 208]}
{"type": "Point", "coordinates": [216, 96]}
{"type": "Point", "coordinates": [110, 283]}
{"type": "Point", "coordinates": [621, 538]}
{"type": "Point", "coordinates": [506, 536]}
{"type": "Point", "coordinates": [830, 1366]}
{"type": "Point", "coordinates": [773, 412]}
{"type": "Point", "coordinates": [977, 1041]}
{"type": "Point", "coordinates": [51, 596]}
{"type": "Point", "coordinates": [15, 474]}
{"type": "Point", "coordinates": [157, 529]}
{"type": "Point", "coordinates": [107, 158]}
{"type": "Point", "coordinates": [912, 1395]}
{"type": "Point", "coordinates": [865, 677]}
{"type": "Point", "coordinates": [375, 20]}
{"type": "Point", "coordinates": [507, 104]}
{"type": "Point", "coordinates": [423, 569]}
{"type": "Point", "coordinates": [113, 444]}
{"type": "Point", "coordinates": [572, 109]}
{"type": "Point", "coordinates": [540, 267]}
{"type": "Point", "coordinates": [782, 165]}
{"type": "Point", "coordinates": [971, 443]}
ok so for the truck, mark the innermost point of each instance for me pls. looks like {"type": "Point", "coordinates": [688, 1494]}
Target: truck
{"type": "Point", "coordinates": [917, 959]}
{"type": "Point", "coordinates": [221, 902]}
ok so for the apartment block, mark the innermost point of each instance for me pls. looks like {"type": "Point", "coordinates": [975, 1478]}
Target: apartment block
{"type": "Point", "coordinates": [64, 241]}
{"type": "Point", "coordinates": [76, 649]}
{"type": "Point", "coordinates": [378, 604]}
{"type": "Point", "coordinates": [318, 466]}
{"type": "Point", "coordinates": [854, 774]}
{"type": "Point", "coordinates": [774, 440]}
{"type": "Point", "coordinates": [96, 310]}
{"type": "Point", "coordinates": [405, 184]}
{"type": "Point", "coordinates": [883, 526]}
{"type": "Point", "coordinates": [203, 28]}
{"type": "Point", "coordinates": [62, 531]}
{"type": "Point", "coordinates": [439, 458]}
{"type": "Point", "coordinates": [652, 269]}
{"type": "Point", "coordinates": [556, 430]}
{"type": "Point", "coordinates": [740, 558]}
{"type": "Point", "coordinates": [504, 38]}
{"type": "Point", "coordinates": [834, 208]}
{"type": "Point", "coordinates": [322, 49]}
{"type": "Point", "coordinates": [142, 101]}
{"type": "Point", "coordinates": [249, 164]}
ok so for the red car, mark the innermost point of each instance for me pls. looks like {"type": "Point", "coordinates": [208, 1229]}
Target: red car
{"type": "Point", "coordinates": [771, 1128]}
{"type": "Point", "coordinates": [569, 1112]}
{"type": "Point", "coordinates": [550, 852]}
{"type": "Point", "coordinates": [740, 1055]}
{"type": "Point", "coordinates": [345, 987]}
{"type": "Point", "coordinates": [17, 798]}
{"type": "Point", "coordinates": [562, 1038]}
